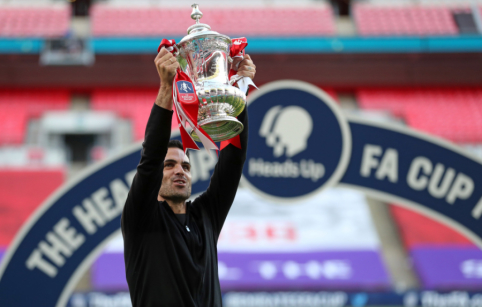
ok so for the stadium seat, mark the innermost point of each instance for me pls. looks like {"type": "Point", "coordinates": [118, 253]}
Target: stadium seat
{"type": "Point", "coordinates": [23, 190]}
{"type": "Point", "coordinates": [132, 104]}
{"type": "Point", "coordinates": [419, 230]}
{"type": "Point", "coordinates": [38, 21]}
{"type": "Point", "coordinates": [404, 20]}
{"type": "Point", "coordinates": [36, 101]}
{"type": "Point", "coordinates": [13, 124]}
{"type": "Point", "coordinates": [390, 100]}
{"type": "Point", "coordinates": [154, 21]}
{"type": "Point", "coordinates": [18, 106]}
{"type": "Point", "coordinates": [455, 114]}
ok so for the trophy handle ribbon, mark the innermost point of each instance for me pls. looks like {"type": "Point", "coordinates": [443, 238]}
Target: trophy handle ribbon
{"type": "Point", "coordinates": [237, 51]}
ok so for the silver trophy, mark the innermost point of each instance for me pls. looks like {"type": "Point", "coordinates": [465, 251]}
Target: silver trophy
{"type": "Point", "coordinates": [204, 56]}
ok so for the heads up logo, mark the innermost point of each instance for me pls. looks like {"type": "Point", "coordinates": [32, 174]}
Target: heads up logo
{"type": "Point", "coordinates": [299, 142]}
{"type": "Point", "coordinates": [287, 130]}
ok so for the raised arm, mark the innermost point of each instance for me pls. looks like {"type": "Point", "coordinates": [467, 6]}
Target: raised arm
{"type": "Point", "coordinates": [147, 181]}
{"type": "Point", "coordinates": [220, 194]}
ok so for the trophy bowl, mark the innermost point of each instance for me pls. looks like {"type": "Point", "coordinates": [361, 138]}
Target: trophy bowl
{"type": "Point", "coordinates": [204, 55]}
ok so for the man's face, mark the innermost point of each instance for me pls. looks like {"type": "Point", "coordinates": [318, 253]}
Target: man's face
{"type": "Point", "coordinates": [176, 183]}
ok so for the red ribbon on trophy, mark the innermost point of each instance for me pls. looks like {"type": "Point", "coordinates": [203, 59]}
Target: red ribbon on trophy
{"type": "Point", "coordinates": [186, 102]}
{"type": "Point", "coordinates": [237, 51]}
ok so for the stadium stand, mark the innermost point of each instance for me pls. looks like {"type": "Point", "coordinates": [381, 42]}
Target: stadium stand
{"type": "Point", "coordinates": [36, 101]}
{"type": "Point", "coordinates": [378, 99]}
{"type": "Point", "coordinates": [447, 3]}
{"type": "Point", "coordinates": [134, 104]}
{"type": "Point", "coordinates": [419, 230]}
{"type": "Point", "coordinates": [23, 190]}
{"type": "Point", "coordinates": [372, 20]}
{"type": "Point", "coordinates": [459, 121]}
{"type": "Point", "coordinates": [18, 106]}
{"type": "Point", "coordinates": [452, 114]}
{"type": "Point", "coordinates": [13, 123]}
{"type": "Point", "coordinates": [30, 19]}
{"type": "Point", "coordinates": [108, 20]}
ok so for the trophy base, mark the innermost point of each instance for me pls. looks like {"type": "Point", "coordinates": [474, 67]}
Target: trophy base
{"type": "Point", "coordinates": [220, 129]}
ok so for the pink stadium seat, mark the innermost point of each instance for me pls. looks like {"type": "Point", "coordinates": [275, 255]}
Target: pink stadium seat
{"type": "Point", "coordinates": [34, 22]}
{"type": "Point", "coordinates": [132, 104]}
{"type": "Point", "coordinates": [22, 192]}
{"type": "Point", "coordinates": [13, 124]}
{"type": "Point", "coordinates": [390, 100]}
{"type": "Point", "coordinates": [109, 21]}
{"type": "Point", "coordinates": [452, 114]}
{"type": "Point", "coordinates": [36, 101]}
{"type": "Point", "coordinates": [405, 20]}
{"type": "Point", "coordinates": [418, 230]}
{"type": "Point", "coordinates": [18, 106]}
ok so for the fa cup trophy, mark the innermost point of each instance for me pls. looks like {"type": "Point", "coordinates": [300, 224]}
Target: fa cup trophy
{"type": "Point", "coordinates": [204, 56]}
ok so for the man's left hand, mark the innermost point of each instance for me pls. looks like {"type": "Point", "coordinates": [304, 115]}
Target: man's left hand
{"type": "Point", "coordinates": [244, 67]}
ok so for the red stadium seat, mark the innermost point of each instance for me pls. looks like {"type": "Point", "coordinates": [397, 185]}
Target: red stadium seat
{"type": "Point", "coordinates": [132, 104]}
{"type": "Point", "coordinates": [418, 230]}
{"type": "Point", "coordinates": [121, 21]}
{"type": "Point", "coordinates": [22, 192]}
{"type": "Point", "coordinates": [36, 101]}
{"type": "Point", "coordinates": [39, 21]}
{"type": "Point", "coordinates": [404, 20]}
{"type": "Point", "coordinates": [18, 106]}
{"type": "Point", "coordinates": [391, 100]}
{"type": "Point", "coordinates": [452, 114]}
{"type": "Point", "coordinates": [13, 124]}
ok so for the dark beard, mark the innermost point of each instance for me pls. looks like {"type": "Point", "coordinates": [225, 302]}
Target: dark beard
{"type": "Point", "coordinates": [169, 194]}
{"type": "Point", "coordinates": [177, 198]}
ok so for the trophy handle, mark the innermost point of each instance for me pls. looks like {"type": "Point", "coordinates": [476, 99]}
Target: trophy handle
{"type": "Point", "coordinates": [176, 52]}
{"type": "Point", "coordinates": [235, 79]}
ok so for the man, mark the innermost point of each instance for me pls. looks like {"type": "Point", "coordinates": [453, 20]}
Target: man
{"type": "Point", "coordinates": [170, 244]}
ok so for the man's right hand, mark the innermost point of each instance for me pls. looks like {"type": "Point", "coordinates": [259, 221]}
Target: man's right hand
{"type": "Point", "coordinates": [166, 65]}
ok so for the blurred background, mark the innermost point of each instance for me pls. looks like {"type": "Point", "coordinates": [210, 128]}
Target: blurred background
{"type": "Point", "coordinates": [77, 82]}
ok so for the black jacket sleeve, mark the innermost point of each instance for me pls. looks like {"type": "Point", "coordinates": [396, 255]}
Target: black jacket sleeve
{"type": "Point", "coordinates": [145, 187]}
{"type": "Point", "coordinates": [219, 196]}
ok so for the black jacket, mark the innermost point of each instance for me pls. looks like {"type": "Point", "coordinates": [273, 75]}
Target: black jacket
{"type": "Point", "coordinates": [167, 263]}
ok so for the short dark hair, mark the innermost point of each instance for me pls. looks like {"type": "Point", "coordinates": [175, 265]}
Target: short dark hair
{"type": "Point", "coordinates": [177, 144]}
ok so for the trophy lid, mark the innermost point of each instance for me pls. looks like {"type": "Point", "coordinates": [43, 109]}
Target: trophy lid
{"type": "Point", "coordinates": [198, 28]}
{"type": "Point", "coordinates": [196, 14]}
